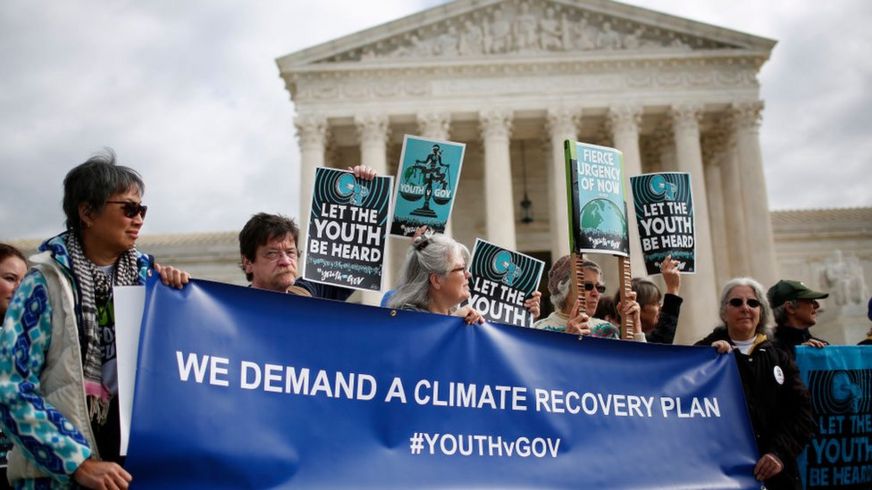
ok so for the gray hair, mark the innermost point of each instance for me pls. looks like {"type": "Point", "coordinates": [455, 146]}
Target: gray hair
{"type": "Point", "coordinates": [427, 255]}
{"type": "Point", "coordinates": [564, 283]}
{"type": "Point", "coordinates": [779, 313]}
{"type": "Point", "coordinates": [93, 183]}
{"type": "Point", "coordinates": [765, 310]}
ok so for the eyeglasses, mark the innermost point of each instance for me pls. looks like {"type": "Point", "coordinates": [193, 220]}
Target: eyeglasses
{"type": "Point", "coordinates": [131, 209]}
{"type": "Point", "coordinates": [600, 288]}
{"type": "Point", "coordinates": [738, 302]}
{"type": "Point", "coordinates": [274, 255]}
{"type": "Point", "coordinates": [458, 269]}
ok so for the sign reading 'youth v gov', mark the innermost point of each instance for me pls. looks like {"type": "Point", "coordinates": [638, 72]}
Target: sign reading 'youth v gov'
{"type": "Point", "coordinates": [241, 388]}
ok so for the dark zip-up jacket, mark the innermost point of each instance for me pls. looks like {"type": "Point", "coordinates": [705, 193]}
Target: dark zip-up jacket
{"type": "Point", "coordinates": [780, 411]}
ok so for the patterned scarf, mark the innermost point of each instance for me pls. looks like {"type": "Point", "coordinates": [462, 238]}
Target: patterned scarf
{"type": "Point", "coordinates": [95, 288]}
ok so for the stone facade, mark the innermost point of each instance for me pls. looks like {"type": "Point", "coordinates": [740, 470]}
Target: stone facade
{"type": "Point", "coordinates": [513, 79]}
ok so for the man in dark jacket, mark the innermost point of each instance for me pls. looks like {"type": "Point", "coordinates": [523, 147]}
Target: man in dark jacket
{"type": "Point", "coordinates": [794, 307]}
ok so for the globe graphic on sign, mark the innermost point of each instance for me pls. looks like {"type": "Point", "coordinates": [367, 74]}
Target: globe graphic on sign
{"type": "Point", "coordinates": [604, 216]}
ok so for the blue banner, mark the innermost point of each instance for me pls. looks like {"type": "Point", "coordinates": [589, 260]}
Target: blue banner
{"type": "Point", "coordinates": [839, 379]}
{"type": "Point", "coordinates": [242, 388]}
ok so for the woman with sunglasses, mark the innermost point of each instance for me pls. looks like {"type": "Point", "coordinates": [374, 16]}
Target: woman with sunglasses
{"type": "Point", "coordinates": [58, 377]}
{"type": "Point", "coordinates": [778, 401]}
{"type": "Point", "coordinates": [569, 318]}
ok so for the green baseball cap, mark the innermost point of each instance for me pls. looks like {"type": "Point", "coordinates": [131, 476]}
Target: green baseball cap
{"type": "Point", "coordinates": [786, 290]}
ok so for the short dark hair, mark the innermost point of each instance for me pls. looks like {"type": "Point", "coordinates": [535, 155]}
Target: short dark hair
{"type": "Point", "coordinates": [7, 251]}
{"type": "Point", "coordinates": [93, 182]}
{"type": "Point", "coordinates": [259, 230]}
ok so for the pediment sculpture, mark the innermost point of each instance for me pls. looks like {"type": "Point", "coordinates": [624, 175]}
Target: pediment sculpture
{"type": "Point", "coordinates": [524, 27]}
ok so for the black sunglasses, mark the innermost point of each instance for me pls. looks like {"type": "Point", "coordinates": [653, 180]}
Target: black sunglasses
{"type": "Point", "coordinates": [738, 302]}
{"type": "Point", "coordinates": [601, 288]}
{"type": "Point", "coordinates": [131, 209]}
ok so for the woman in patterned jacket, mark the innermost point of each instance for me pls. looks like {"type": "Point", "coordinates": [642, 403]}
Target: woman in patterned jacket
{"type": "Point", "coordinates": [58, 377]}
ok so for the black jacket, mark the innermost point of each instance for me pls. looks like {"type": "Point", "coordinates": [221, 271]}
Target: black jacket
{"type": "Point", "coordinates": [664, 331]}
{"type": "Point", "coordinates": [781, 413]}
{"type": "Point", "coordinates": [787, 338]}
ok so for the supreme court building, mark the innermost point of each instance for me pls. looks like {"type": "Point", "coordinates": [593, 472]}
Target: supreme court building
{"type": "Point", "coordinates": [512, 79]}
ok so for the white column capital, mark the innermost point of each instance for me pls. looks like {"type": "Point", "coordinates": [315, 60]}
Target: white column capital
{"type": "Point", "coordinates": [747, 115]}
{"type": "Point", "coordinates": [495, 123]}
{"type": "Point", "coordinates": [371, 128]}
{"type": "Point", "coordinates": [563, 121]}
{"type": "Point", "coordinates": [311, 129]}
{"type": "Point", "coordinates": [685, 117]}
{"type": "Point", "coordinates": [434, 125]}
{"type": "Point", "coordinates": [624, 118]}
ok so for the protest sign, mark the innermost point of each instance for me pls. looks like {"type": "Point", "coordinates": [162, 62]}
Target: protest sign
{"type": "Point", "coordinates": [243, 388]}
{"type": "Point", "coordinates": [664, 215]}
{"type": "Point", "coordinates": [500, 281]}
{"type": "Point", "coordinates": [345, 243]}
{"type": "Point", "coordinates": [839, 379]}
{"type": "Point", "coordinates": [427, 179]}
{"type": "Point", "coordinates": [597, 209]}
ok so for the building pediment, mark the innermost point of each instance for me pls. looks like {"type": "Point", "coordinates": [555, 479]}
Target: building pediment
{"type": "Point", "coordinates": [506, 29]}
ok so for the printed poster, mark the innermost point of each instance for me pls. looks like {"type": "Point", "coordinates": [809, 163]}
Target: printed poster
{"type": "Point", "coordinates": [347, 232]}
{"type": "Point", "coordinates": [664, 215]}
{"type": "Point", "coordinates": [597, 207]}
{"type": "Point", "coordinates": [839, 379]}
{"type": "Point", "coordinates": [501, 280]}
{"type": "Point", "coordinates": [427, 179]}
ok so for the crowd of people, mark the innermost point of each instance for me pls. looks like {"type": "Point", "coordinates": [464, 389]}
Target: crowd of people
{"type": "Point", "coordinates": [58, 377]}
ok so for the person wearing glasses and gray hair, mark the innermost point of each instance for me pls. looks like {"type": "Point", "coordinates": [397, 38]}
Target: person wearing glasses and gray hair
{"type": "Point", "coordinates": [435, 278]}
{"type": "Point", "coordinates": [778, 401]}
{"type": "Point", "coordinates": [58, 376]}
{"type": "Point", "coordinates": [569, 317]}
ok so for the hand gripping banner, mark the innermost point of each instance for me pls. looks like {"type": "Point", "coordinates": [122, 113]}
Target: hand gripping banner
{"type": "Point", "coordinates": [241, 388]}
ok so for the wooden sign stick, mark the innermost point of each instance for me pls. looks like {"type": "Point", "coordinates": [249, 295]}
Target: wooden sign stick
{"type": "Point", "coordinates": [625, 278]}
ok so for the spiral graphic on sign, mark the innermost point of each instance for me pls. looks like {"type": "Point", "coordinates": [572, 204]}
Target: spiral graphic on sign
{"type": "Point", "coordinates": [659, 188]}
{"type": "Point", "coordinates": [841, 391]}
{"type": "Point", "coordinates": [335, 186]}
{"type": "Point", "coordinates": [496, 265]}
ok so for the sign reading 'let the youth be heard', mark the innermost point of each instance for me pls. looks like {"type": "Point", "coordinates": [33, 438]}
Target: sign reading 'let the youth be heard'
{"type": "Point", "coordinates": [597, 209]}
{"type": "Point", "coordinates": [500, 281]}
{"type": "Point", "coordinates": [242, 388]}
{"type": "Point", "coordinates": [345, 243]}
{"type": "Point", "coordinates": [840, 381]}
{"type": "Point", "coordinates": [664, 215]}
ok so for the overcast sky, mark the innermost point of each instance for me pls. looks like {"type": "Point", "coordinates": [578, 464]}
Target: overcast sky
{"type": "Point", "coordinates": [188, 93]}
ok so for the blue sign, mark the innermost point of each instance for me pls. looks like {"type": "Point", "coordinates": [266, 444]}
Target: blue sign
{"type": "Point", "coordinates": [242, 388]}
{"type": "Point", "coordinates": [427, 179]}
{"type": "Point", "coordinates": [839, 379]}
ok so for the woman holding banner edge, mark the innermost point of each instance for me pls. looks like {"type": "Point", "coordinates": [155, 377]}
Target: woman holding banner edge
{"type": "Point", "coordinates": [778, 401]}
{"type": "Point", "coordinates": [58, 388]}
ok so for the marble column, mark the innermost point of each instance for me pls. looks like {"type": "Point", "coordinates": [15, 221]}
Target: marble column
{"type": "Point", "coordinates": [699, 310]}
{"type": "Point", "coordinates": [623, 121]}
{"type": "Point", "coordinates": [435, 126]}
{"type": "Point", "coordinates": [562, 124]}
{"type": "Point", "coordinates": [734, 213]}
{"type": "Point", "coordinates": [312, 138]}
{"type": "Point", "coordinates": [496, 128]}
{"type": "Point", "coordinates": [754, 199]}
{"type": "Point", "coordinates": [372, 131]}
{"type": "Point", "coordinates": [714, 154]}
